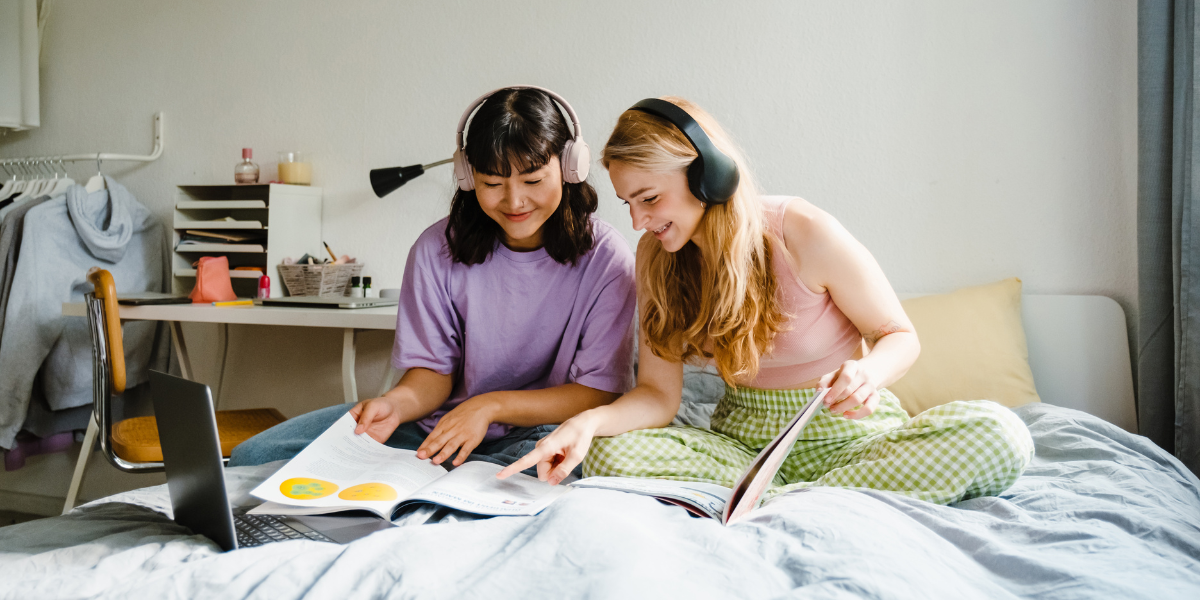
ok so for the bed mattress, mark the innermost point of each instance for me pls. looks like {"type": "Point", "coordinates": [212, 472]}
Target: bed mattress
{"type": "Point", "coordinates": [1099, 513]}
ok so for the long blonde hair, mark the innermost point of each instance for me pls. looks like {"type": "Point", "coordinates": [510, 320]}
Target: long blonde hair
{"type": "Point", "coordinates": [687, 302]}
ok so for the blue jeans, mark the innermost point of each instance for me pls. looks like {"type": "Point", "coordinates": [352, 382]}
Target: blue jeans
{"type": "Point", "coordinates": [287, 439]}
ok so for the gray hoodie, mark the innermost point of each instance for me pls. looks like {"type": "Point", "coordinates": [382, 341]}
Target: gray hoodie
{"type": "Point", "coordinates": [11, 227]}
{"type": "Point", "coordinates": [62, 239]}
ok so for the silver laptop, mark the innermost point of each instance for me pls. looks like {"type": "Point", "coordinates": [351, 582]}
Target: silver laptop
{"type": "Point", "coordinates": [319, 302]}
{"type": "Point", "coordinates": [187, 430]}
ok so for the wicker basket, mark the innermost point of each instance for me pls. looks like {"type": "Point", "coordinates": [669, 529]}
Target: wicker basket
{"type": "Point", "coordinates": [329, 281]}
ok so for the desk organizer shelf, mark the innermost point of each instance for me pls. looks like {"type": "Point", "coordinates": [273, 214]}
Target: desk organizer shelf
{"type": "Point", "coordinates": [265, 222]}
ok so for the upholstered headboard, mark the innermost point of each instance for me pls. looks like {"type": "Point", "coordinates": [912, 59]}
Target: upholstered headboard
{"type": "Point", "coordinates": [1079, 354]}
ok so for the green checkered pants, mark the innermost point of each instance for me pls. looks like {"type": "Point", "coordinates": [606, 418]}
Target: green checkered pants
{"type": "Point", "coordinates": [946, 454]}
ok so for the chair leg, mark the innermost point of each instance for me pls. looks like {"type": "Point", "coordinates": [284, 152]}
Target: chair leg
{"type": "Point", "coordinates": [85, 453]}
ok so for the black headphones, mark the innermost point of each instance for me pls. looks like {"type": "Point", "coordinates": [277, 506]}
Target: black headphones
{"type": "Point", "coordinates": [713, 177]}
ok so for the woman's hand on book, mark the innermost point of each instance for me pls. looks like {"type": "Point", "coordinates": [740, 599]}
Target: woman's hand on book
{"type": "Point", "coordinates": [853, 392]}
{"type": "Point", "coordinates": [462, 430]}
{"type": "Point", "coordinates": [376, 417]}
{"type": "Point", "coordinates": [558, 453]}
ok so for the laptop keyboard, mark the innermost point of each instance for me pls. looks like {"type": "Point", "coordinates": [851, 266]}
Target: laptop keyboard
{"type": "Point", "coordinates": [256, 530]}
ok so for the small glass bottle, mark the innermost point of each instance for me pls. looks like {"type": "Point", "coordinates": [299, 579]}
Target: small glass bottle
{"type": "Point", "coordinates": [367, 287]}
{"type": "Point", "coordinates": [246, 171]}
{"type": "Point", "coordinates": [356, 290]}
{"type": "Point", "coordinates": [264, 287]}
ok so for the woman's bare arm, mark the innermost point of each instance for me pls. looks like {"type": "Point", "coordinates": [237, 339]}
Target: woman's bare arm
{"type": "Point", "coordinates": [831, 259]}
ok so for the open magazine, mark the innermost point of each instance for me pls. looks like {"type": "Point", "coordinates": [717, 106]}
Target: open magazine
{"type": "Point", "coordinates": [719, 502]}
{"type": "Point", "coordinates": [341, 471]}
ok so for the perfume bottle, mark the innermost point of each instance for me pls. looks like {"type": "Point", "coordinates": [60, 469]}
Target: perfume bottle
{"type": "Point", "coordinates": [246, 171]}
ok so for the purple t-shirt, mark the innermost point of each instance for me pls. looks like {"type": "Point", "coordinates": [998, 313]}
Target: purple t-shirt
{"type": "Point", "coordinates": [517, 321]}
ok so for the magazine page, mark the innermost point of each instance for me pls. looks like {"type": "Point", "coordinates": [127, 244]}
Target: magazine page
{"type": "Point", "coordinates": [277, 509]}
{"type": "Point", "coordinates": [473, 488]}
{"type": "Point", "coordinates": [751, 486]}
{"type": "Point", "coordinates": [343, 471]}
{"type": "Point", "coordinates": [706, 498]}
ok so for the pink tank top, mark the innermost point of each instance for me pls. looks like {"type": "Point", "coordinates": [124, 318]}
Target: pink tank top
{"type": "Point", "coordinates": [817, 338]}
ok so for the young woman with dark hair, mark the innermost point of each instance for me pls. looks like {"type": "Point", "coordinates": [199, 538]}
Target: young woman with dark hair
{"type": "Point", "coordinates": [521, 141]}
{"type": "Point", "coordinates": [516, 311]}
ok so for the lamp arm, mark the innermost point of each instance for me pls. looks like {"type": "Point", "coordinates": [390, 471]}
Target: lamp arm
{"type": "Point", "coordinates": [437, 164]}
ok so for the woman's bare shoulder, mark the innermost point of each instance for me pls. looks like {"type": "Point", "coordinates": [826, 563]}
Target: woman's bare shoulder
{"type": "Point", "coordinates": [808, 229]}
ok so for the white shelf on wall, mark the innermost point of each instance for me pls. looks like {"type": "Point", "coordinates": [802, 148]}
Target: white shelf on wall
{"type": "Point", "coordinates": [185, 224]}
{"type": "Point", "coordinates": [232, 274]}
{"type": "Point", "coordinates": [288, 217]}
{"type": "Point", "coordinates": [219, 248]}
{"type": "Point", "coordinates": [219, 204]}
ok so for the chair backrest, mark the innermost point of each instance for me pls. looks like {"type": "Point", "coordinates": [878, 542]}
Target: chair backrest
{"type": "Point", "coordinates": [106, 293]}
{"type": "Point", "coordinates": [108, 366]}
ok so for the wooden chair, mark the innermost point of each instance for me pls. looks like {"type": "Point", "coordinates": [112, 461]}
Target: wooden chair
{"type": "Point", "coordinates": [132, 445]}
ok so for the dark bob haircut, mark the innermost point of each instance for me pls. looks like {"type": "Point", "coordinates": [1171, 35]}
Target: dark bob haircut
{"type": "Point", "coordinates": [520, 128]}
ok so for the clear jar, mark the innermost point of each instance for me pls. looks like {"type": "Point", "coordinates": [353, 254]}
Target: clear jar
{"type": "Point", "coordinates": [294, 168]}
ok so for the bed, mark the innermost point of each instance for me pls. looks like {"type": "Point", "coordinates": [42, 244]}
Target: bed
{"type": "Point", "coordinates": [1101, 512]}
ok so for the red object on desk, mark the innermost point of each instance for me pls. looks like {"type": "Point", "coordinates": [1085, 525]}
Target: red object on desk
{"type": "Point", "coordinates": [264, 287]}
{"type": "Point", "coordinates": [212, 281]}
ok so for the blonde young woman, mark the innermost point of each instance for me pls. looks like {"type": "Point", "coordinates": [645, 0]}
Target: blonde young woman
{"type": "Point", "coordinates": [785, 302]}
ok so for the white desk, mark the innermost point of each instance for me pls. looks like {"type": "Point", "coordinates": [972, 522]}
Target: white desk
{"type": "Point", "coordinates": [350, 321]}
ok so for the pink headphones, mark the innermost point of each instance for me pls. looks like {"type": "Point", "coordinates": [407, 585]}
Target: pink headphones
{"type": "Point", "coordinates": [576, 158]}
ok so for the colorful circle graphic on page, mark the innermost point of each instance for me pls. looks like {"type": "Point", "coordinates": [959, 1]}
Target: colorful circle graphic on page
{"type": "Point", "coordinates": [303, 488]}
{"type": "Point", "coordinates": [368, 492]}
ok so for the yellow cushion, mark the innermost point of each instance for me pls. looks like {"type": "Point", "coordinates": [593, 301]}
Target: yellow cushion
{"type": "Point", "coordinates": [972, 348]}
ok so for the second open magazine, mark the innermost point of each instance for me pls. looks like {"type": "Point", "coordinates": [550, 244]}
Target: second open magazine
{"type": "Point", "coordinates": [728, 505]}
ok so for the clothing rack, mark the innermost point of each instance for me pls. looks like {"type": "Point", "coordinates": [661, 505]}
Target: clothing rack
{"type": "Point", "coordinates": [98, 156]}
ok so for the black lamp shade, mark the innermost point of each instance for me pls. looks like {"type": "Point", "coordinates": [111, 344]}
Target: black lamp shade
{"type": "Point", "coordinates": [386, 181]}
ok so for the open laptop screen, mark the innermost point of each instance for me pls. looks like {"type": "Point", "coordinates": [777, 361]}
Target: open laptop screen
{"type": "Point", "coordinates": [187, 431]}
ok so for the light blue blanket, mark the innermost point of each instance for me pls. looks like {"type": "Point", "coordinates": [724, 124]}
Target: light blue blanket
{"type": "Point", "coordinates": [1099, 514]}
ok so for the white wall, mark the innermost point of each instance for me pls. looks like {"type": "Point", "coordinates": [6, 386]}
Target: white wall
{"type": "Point", "coordinates": [962, 142]}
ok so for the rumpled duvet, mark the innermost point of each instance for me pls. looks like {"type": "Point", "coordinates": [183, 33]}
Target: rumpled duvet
{"type": "Point", "coordinates": [1100, 513]}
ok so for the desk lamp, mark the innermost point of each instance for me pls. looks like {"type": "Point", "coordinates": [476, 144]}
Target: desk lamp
{"type": "Point", "coordinates": [387, 180]}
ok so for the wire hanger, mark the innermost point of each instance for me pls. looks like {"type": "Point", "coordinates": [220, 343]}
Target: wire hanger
{"type": "Point", "coordinates": [21, 184]}
{"type": "Point", "coordinates": [27, 182]}
{"type": "Point", "coordinates": [96, 183]}
{"type": "Point", "coordinates": [60, 185]}
{"type": "Point", "coordinates": [6, 190]}
{"type": "Point", "coordinates": [43, 182]}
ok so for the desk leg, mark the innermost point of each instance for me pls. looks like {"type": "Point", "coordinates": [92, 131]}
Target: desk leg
{"type": "Point", "coordinates": [349, 386]}
{"type": "Point", "coordinates": [185, 363]}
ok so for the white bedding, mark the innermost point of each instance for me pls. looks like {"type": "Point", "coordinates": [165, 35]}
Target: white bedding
{"type": "Point", "coordinates": [1100, 513]}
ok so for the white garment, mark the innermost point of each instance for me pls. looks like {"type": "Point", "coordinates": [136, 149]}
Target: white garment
{"type": "Point", "coordinates": [19, 107]}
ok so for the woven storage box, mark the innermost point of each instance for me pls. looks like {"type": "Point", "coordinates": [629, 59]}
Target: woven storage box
{"type": "Point", "coordinates": [329, 281]}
